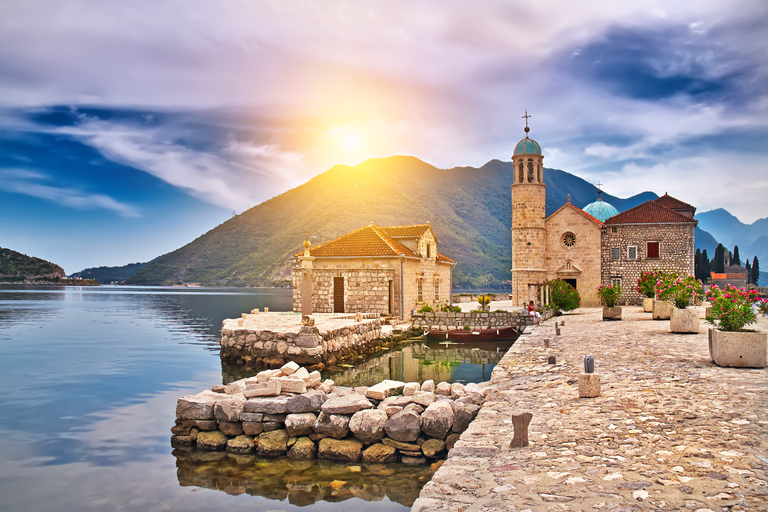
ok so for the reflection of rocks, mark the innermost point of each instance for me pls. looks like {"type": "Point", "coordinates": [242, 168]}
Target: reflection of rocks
{"type": "Point", "coordinates": [302, 482]}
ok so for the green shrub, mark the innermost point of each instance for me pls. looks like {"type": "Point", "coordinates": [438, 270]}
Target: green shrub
{"type": "Point", "coordinates": [563, 296]}
{"type": "Point", "coordinates": [426, 308]}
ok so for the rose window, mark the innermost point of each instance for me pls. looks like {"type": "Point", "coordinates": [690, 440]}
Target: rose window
{"type": "Point", "coordinates": [569, 239]}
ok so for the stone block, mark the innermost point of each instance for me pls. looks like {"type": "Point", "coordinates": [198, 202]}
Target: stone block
{"type": "Point", "coordinates": [289, 368]}
{"type": "Point", "coordinates": [252, 428]}
{"type": "Point", "coordinates": [739, 349]}
{"type": "Point", "coordinates": [231, 428]}
{"type": "Point", "coordinates": [301, 373]}
{"type": "Point", "coordinates": [267, 374]}
{"type": "Point", "coordinates": [613, 313]}
{"type": "Point", "coordinates": [271, 405]}
{"type": "Point", "coordinates": [314, 379]}
{"type": "Point", "coordinates": [444, 389]}
{"type": "Point", "coordinates": [385, 389]}
{"type": "Point", "coordinates": [684, 321]}
{"type": "Point", "coordinates": [196, 407]}
{"type": "Point", "coordinates": [648, 304]}
{"type": "Point", "coordinates": [662, 309]}
{"type": "Point", "coordinates": [520, 422]}
{"type": "Point", "coordinates": [289, 385]}
{"type": "Point", "coordinates": [589, 385]}
{"type": "Point", "coordinates": [410, 388]}
{"type": "Point", "coordinates": [270, 388]}
{"type": "Point", "coordinates": [311, 401]}
{"type": "Point", "coordinates": [251, 416]}
{"type": "Point", "coordinates": [428, 385]}
{"type": "Point", "coordinates": [229, 409]}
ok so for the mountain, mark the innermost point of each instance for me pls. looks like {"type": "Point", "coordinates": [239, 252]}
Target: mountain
{"type": "Point", "coordinates": [105, 275]}
{"type": "Point", "coordinates": [469, 208]}
{"type": "Point", "coordinates": [705, 241]}
{"type": "Point", "coordinates": [752, 239]}
{"type": "Point", "coordinates": [15, 267]}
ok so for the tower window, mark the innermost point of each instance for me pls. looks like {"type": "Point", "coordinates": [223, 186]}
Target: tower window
{"type": "Point", "coordinates": [531, 176]}
{"type": "Point", "coordinates": [569, 239]}
{"type": "Point", "coordinates": [521, 177]}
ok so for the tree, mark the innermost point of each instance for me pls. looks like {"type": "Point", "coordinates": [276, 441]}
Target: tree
{"type": "Point", "coordinates": [562, 295]}
{"type": "Point", "coordinates": [735, 259]}
{"type": "Point", "coordinates": [705, 270]}
{"type": "Point", "coordinates": [749, 270]}
{"type": "Point", "coordinates": [697, 264]}
{"type": "Point", "coordinates": [755, 270]}
{"type": "Point", "coordinates": [718, 262]}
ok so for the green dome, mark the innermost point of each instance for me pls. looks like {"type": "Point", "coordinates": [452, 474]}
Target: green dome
{"type": "Point", "coordinates": [527, 146]}
{"type": "Point", "coordinates": [601, 210]}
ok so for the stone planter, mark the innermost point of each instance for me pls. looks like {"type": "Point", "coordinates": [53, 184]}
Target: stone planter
{"type": "Point", "coordinates": [613, 313]}
{"type": "Point", "coordinates": [684, 321]}
{"type": "Point", "coordinates": [662, 309]}
{"type": "Point", "coordinates": [648, 304]}
{"type": "Point", "coordinates": [739, 349]}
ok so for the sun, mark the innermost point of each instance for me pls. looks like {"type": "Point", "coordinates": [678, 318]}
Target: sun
{"type": "Point", "coordinates": [351, 141]}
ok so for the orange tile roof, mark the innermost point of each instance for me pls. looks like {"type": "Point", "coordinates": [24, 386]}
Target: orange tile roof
{"type": "Point", "coordinates": [650, 212]}
{"type": "Point", "coordinates": [714, 275]}
{"type": "Point", "coordinates": [370, 240]}
{"type": "Point", "coordinates": [667, 201]}
{"type": "Point", "coordinates": [409, 231]}
{"type": "Point", "coordinates": [585, 214]}
{"type": "Point", "coordinates": [443, 257]}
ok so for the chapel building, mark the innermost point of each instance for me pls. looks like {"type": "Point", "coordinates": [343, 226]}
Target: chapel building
{"type": "Point", "coordinates": [594, 246]}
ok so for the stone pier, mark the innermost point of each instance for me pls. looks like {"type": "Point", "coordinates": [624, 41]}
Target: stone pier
{"type": "Point", "coordinates": [669, 431]}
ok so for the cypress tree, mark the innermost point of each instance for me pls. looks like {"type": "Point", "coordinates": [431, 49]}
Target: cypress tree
{"type": "Point", "coordinates": [697, 264]}
{"type": "Point", "coordinates": [755, 270]}
{"type": "Point", "coordinates": [705, 271]}
{"type": "Point", "coordinates": [749, 270]}
{"type": "Point", "coordinates": [735, 260]}
{"type": "Point", "coordinates": [718, 262]}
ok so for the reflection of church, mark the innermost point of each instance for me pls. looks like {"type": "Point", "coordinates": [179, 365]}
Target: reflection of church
{"type": "Point", "coordinates": [593, 246]}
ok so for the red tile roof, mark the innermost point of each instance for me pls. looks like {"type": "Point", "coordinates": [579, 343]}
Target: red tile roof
{"type": "Point", "coordinates": [667, 201]}
{"type": "Point", "coordinates": [410, 231]}
{"type": "Point", "coordinates": [585, 214]}
{"type": "Point", "coordinates": [650, 212]}
{"type": "Point", "coordinates": [714, 275]}
{"type": "Point", "coordinates": [368, 241]}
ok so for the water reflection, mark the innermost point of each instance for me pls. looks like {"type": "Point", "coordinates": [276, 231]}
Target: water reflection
{"type": "Point", "coordinates": [302, 483]}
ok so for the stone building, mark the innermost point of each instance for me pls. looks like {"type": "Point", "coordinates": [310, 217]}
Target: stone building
{"type": "Point", "coordinates": [390, 270]}
{"type": "Point", "coordinates": [597, 245]}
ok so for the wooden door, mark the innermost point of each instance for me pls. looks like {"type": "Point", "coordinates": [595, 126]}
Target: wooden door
{"type": "Point", "coordinates": [338, 294]}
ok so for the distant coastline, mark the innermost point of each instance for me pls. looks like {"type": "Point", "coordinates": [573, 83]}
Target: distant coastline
{"type": "Point", "coordinates": [53, 282]}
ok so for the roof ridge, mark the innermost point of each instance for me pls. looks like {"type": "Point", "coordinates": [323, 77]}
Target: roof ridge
{"type": "Point", "coordinates": [589, 217]}
{"type": "Point", "coordinates": [650, 204]}
{"type": "Point", "coordinates": [387, 240]}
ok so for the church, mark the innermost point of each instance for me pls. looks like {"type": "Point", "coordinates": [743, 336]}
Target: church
{"type": "Point", "coordinates": [594, 246]}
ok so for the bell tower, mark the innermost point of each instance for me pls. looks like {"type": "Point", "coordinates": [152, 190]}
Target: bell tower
{"type": "Point", "coordinates": [528, 212]}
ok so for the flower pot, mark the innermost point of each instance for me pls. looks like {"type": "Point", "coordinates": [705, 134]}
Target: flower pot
{"type": "Point", "coordinates": [648, 304]}
{"type": "Point", "coordinates": [684, 321]}
{"type": "Point", "coordinates": [662, 309]}
{"type": "Point", "coordinates": [613, 313]}
{"type": "Point", "coordinates": [740, 349]}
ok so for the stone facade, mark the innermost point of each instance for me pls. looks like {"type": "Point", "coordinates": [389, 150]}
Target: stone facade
{"type": "Point", "coordinates": [476, 321]}
{"type": "Point", "coordinates": [366, 287]}
{"type": "Point", "coordinates": [573, 251]}
{"type": "Point", "coordinates": [675, 253]}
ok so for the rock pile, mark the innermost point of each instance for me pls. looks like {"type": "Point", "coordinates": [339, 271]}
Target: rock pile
{"type": "Point", "coordinates": [290, 412]}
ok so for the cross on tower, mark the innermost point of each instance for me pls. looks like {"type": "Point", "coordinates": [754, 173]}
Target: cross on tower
{"type": "Point", "coordinates": [599, 185]}
{"type": "Point", "coordinates": [526, 116]}
{"type": "Point", "coordinates": [306, 234]}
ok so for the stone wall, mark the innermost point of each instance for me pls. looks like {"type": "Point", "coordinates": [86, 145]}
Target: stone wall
{"type": "Point", "coordinates": [476, 321]}
{"type": "Point", "coordinates": [391, 421]}
{"type": "Point", "coordinates": [676, 251]}
{"type": "Point", "coordinates": [462, 298]}
{"type": "Point", "coordinates": [244, 345]}
{"type": "Point", "coordinates": [366, 290]}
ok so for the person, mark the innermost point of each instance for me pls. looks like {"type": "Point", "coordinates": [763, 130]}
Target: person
{"type": "Point", "coordinates": [532, 312]}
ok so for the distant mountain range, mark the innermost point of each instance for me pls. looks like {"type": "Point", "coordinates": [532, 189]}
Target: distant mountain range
{"type": "Point", "coordinates": [17, 267]}
{"type": "Point", "coordinates": [752, 239]}
{"type": "Point", "coordinates": [107, 275]}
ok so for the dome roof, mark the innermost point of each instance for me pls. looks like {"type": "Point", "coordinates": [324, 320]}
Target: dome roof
{"type": "Point", "coordinates": [601, 210]}
{"type": "Point", "coordinates": [527, 146]}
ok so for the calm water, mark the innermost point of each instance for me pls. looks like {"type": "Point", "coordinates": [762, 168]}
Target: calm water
{"type": "Point", "coordinates": [89, 381]}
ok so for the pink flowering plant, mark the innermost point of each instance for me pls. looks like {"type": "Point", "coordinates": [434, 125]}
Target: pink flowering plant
{"type": "Point", "coordinates": [609, 294]}
{"type": "Point", "coordinates": [762, 306]}
{"type": "Point", "coordinates": [731, 307]}
{"type": "Point", "coordinates": [646, 283]}
{"type": "Point", "coordinates": [680, 290]}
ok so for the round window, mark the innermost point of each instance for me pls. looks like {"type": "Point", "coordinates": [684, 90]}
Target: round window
{"type": "Point", "coordinates": [569, 239]}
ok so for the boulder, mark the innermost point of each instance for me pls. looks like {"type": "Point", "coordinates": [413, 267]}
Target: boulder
{"type": "Point", "coordinates": [437, 420]}
{"type": "Point", "coordinates": [385, 389]}
{"type": "Point", "coordinates": [443, 389]}
{"type": "Point", "coordinates": [418, 409]}
{"type": "Point", "coordinates": [390, 410]}
{"type": "Point", "coordinates": [399, 400]}
{"type": "Point", "coordinates": [332, 425]}
{"type": "Point", "coordinates": [326, 386]}
{"type": "Point", "coordinates": [473, 387]}
{"type": "Point", "coordinates": [271, 405]}
{"type": "Point", "coordinates": [340, 449]}
{"type": "Point", "coordinates": [241, 445]}
{"type": "Point", "coordinates": [457, 390]}
{"type": "Point", "coordinates": [303, 449]}
{"type": "Point", "coordinates": [290, 385]}
{"type": "Point", "coordinates": [311, 401]}
{"type": "Point", "coordinates": [252, 428]}
{"type": "Point", "coordinates": [252, 416]}
{"type": "Point", "coordinates": [451, 440]}
{"type": "Point", "coordinates": [379, 453]}
{"type": "Point", "coordinates": [267, 374]}
{"type": "Point", "coordinates": [229, 408]}
{"type": "Point", "coordinates": [197, 407]}
{"type": "Point", "coordinates": [463, 414]}
{"type": "Point", "coordinates": [231, 428]}
{"type": "Point", "coordinates": [211, 440]}
{"type": "Point", "coordinates": [300, 424]}
{"type": "Point", "coordinates": [405, 447]}
{"type": "Point", "coordinates": [272, 444]}
{"type": "Point", "coordinates": [472, 398]}
{"type": "Point", "coordinates": [403, 426]}
{"type": "Point", "coordinates": [433, 448]}
{"type": "Point", "coordinates": [235, 387]}
{"type": "Point", "coordinates": [206, 424]}
{"type": "Point", "coordinates": [413, 460]}
{"type": "Point", "coordinates": [423, 398]}
{"type": "Point", "coordinates": [368, 425]}
{"type": "Point", "coordinates": [410, 388]}
{"type": "Point", "coordinates": [289, 368]}
{"type": "Point", "coordinates": [348, 404]}
{"type": "Point", "coordinates": [428, 385]}
{"type": "Point", "coordinates": [270, 388]}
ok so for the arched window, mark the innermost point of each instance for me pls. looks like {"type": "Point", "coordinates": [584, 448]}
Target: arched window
{"type": "Point", "coordinates": [521, 177]}
{"type": "Point", "coordinates": [531, 176]}
{"type": "Point", "coordinates": [541, 179]}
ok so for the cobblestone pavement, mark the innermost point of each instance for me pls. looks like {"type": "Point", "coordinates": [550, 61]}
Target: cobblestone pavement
{"type": "Point", "coordinates": [671, 431]}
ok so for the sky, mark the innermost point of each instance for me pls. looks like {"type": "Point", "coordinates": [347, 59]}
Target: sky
{"type": "Point", "coordinates": [128, 129]}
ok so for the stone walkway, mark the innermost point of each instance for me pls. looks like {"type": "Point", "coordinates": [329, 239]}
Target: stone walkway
{"type": "Point", "coordinates": [671, 431]}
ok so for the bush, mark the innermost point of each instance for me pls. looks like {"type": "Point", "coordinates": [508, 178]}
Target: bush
{"type": "Point", "coordinates": [731, 307]}
{"type": "Point", "coordinates": [563, 296]}
{"type": "Point", "coordinates": [646, 283]}
{"type": "Point", "coordinates": [426, 308]}
{"type": "Point", "coordinates": [451, 309]}
{"type": "Point", "coordinates": [680, 290]}
{"type": "Point", "coordinates": [484, 301]}
{"type": "Point", "coordinates": [610, 294]}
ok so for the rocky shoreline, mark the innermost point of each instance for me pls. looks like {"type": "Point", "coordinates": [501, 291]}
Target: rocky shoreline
{"type": "Point", "coordinates": [290, 412]}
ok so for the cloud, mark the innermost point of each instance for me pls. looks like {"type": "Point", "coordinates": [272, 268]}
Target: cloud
{"type": "Point", "coordinates": [33, 183]}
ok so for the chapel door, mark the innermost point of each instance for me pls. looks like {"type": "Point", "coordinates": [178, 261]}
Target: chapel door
{"type": "Point", "coordinates": [571, 282]}
{"type": "Point", "coordinates": [338, 294]}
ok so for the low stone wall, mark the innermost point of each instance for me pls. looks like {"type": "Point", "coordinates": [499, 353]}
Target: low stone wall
{"type": "Point", "coordinates": [461, 298]}
{"type": "Point", "coordinates": [451, 320]}
{"type": "Point", "coordinates": [249, 346]}
{"type": "Point", "coordinates": [267, 415]}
